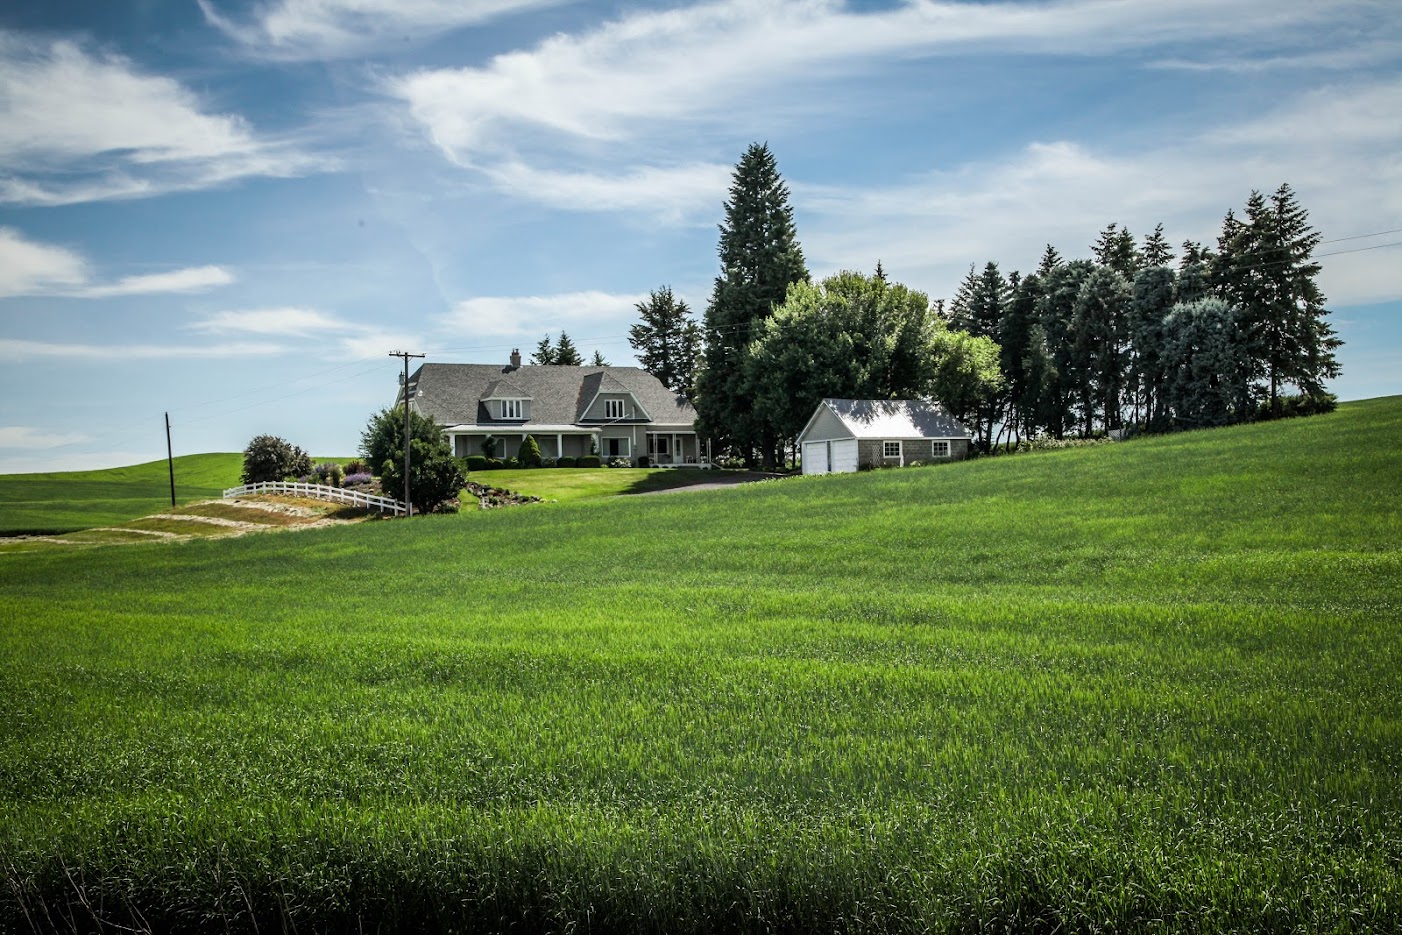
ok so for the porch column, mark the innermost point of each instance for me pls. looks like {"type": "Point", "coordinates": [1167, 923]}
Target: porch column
{"type": "Point", "coordinates": [674, 451]}
{"type": "Point", "coordinates": [559, 446]}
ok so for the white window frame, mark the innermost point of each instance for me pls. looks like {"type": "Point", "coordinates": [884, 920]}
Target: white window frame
{"type": "Point", "coordinates": [615, 408]}
{"type": "Point", "coordinates": [513, 408]}
{"type": "Point", "coordinates": [935, 448]}
{"type": "Point", "coordinates": [886, 450]}
{"type": "Point", "coordinates": [627, 446]}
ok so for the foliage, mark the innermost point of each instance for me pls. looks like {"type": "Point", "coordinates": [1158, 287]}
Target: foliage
{"type": "Point", "coordinates": [620, 463]}
{"type": "Point", "coordinates": [598, 360]}
{"type": "Point", "coordinates": [667, 340]}
{"type": "Point", "coordinates": [434, 477]}
{"type": "Point", "coordinates": [589, 461]}
{"type": "Point", "coordinates": [329, 473]}
{"type": "Point", "coordinates": [544, 354]}
{"type": "Point", "coordinates": [357, 466]}
{"type": "Point", "coordinates": [476, 462]}
{"type": "Point", "coordinates": [490, 444]}
{"type": "Point", "coordinates": [1303, 404]}
{"type": "Point", "coordinates": [565, 462]}
{"type": "Point", "coordinates": [850, 336]}
{"type": "Point", "coordinates": [566, 354]}
{"type": "Point", "coordinates": [358, 479]}
{"type": "Point", "coordinates": [1209, 369]}
{"type": "Point", "coordinates": [270, 458]}
{"type": "Point", "coordinates": [383, 437]}
{"type": "Point", "coordinates": [760, 258]}
{"type": "Point", "coordinates": [965, 378]}
{"type": "Point", "coordinates": [528, 455]}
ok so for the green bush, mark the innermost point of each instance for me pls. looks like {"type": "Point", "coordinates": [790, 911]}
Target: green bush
{"type": "Point", "coordinates": [511, 463]}
{"type": "Point", "coordinates": [269, 458]}
{"type": "Point", "coordinates": [566, 461]}
{"type": "Point", "coordinates": [476, 462]}
{"type": "Point", "coordinates": [591, 461]}
{"type": "Point", "coordinates": [495, 464]}
{"type": "Point", "coordinates": [528, 455]}
{"type": "Point", "coordinates": [644, 461]}
{"type": "Point", "coordinates": [1305, 404]}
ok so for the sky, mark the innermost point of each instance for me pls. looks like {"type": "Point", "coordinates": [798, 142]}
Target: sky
{"type": "Point", "coordinates": [233, 211]}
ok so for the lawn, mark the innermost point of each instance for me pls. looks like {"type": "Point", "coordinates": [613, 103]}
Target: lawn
{"type": "Point", "coordinates": [70, 500]}
{"type": "Point", "coordinates": [1147, 686]}
{"type": "Point", "coordinates": [566, 484]}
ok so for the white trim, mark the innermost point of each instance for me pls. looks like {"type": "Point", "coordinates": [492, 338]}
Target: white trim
{"type": "Point", "coordinates": [584, 413]}
{"type": "Point", "coordinates": [948, 448]}
{"type": "Point", "coordinates": [823, 404]}
{"type": "Point", "coordinates": [604, 440]}
{"type": "Point", "coordinates": [900, 450]}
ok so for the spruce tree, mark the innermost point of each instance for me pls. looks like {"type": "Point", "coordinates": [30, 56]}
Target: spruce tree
{"type": "Point", "coordinates": [760, 258]}
{"type": "Point", "coordinates": [1015, 343]}
{"type": "Point", "coordinates": [1208, 370]}
{"type": "Point", "coordinates": [544, 353]}
{"type": "Point", "coordinates": [1050, 261]}
{"type": "Point", "coordinates": [1100, 332]}
{"type": "Point", "coordinates": [1116, 250]}
{"type": "Point", "coordinates": [566, 353]}
{"type": "Point", "coordinates": [598, 360]}
{"type": "Point", "coordinates": [1152, 297]}
{"type": "Point", "coordinates": [1156, 250]}
{"type": "Point", "coordinates": [1055, 309]}
{"type": "Point", "coordinates": [667, 341]}
{"type": "Point", "coordinates": [1194, 279]}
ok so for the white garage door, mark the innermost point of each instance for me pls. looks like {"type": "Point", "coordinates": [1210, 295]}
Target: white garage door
{"type": "Point", "coordinates": [844, 457]}
{"type": "Point", "coordinates": [815, 458]}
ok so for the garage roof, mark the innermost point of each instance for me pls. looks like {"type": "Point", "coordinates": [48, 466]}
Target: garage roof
{"type": "Point", "coordinates": [895, 418]}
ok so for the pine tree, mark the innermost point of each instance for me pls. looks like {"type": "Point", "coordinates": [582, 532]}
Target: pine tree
{"type": "Point", "coordinates": [760, 257]}
{"type": "Point", "coordinates": [1050, 261]}
{"type": "Point", "coordinates": [1156, 250]}
{"type": "Point", "coordinates": [544, 353]}
{"type": "Point", "coordinates": [1099, 327]}
{"type": "Point", "coordinates": [1055, 309]}
{"type": "Point", "coordinates": [1208, 370]}
{"type": "Point", "coordinates": [1015, 333]}
{"type": "Point", "coordinates": [1115, 249]}
{"type": "Point", "coordinates": [598, 360]}
{"type": "Point", "coordinates": [666, 340]}
{"type": "Point", "coordinates": [1194, 273]}
{"type": "Point", "coordinates": [880, 272]}
{"type": "Point", "coordinates": [566, 354]}
{"type": "Point", "coordinates": [1149, 305]}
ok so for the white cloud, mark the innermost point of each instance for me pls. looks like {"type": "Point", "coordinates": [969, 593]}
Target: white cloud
{"type": "Point", "coordinates": [316, 29]}
{"type": "Point", "coordinates": [285, 322]}
{"type": "Point", "coordinates": [670, 193]}
{"type": "Point", "coordinates": [516, 317]}
{"type": "Point", "coordinates": [927, 231]}
{"type": "Point", "coordinates": [30, 268]}
{"type": "Point", "coordinates": [190, 279]}
{"type": "Point", "coordinates": [80, 127]}
{"type": "Point", "coordinates": [27, 437]}
{"type": "Point", "coordinates": [20, 350]}
{"type": "Point", "coordinates": [333, 336]}
{"type": "Point", "coordinates": [27, 267]}
{"type": "Point", "coordinates": [699, 62]}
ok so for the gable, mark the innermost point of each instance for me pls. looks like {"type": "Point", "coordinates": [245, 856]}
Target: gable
{"type": "Point", "coordinates": [824, 425]}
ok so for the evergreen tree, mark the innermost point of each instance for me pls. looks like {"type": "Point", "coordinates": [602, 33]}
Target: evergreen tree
{"type": "Point", "coordinates": [1194, 279]}
{"type": "Point", "coordinates": [1100, 356]}
{"type": "Point", "coordinates": [1115, 249]}
{"type": "Point", "coordinates": [1156, 250]}
{"type": "Point", "coordinates": [598, 360]}
{"type": "Point", "coordinates": [1016, 336]}
{"type": "Point", "coordinates": [880, 272]}
{"type": "Point", "coordinates": [760, 258]}
{"type": "Point", "coordinates": [666, 340]}
{"type": "Point", "coordinates": [1208, 370]}
{"type": "Point", "coordinates": [566, 354]}
{"type": "Point", "coordinates": [544, 353]}
{"type": "Point", "coordinates": [1055, 309]}
{"type": "Point", "coordinates": [1050, 261]}
{"type": "Point", "coordinates": [1152, 298]}
{"type": "Point", "coordinates": [528, 455]}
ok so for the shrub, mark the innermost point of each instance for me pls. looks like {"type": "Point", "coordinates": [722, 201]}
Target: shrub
{"type": "Point", "coordinates": [383, 438]}
{"type": "Point", "coordinates": [547, 462]}
{"type": "Point", "coordinates": [434, 478]}
{"type": "Point", "coordinates": [620, 463]}
{"type": "Point", "coordinates": [590, 461]}
{"type": "Point", "coordinates": [269, 458]}
{"type": "Point", "coordinates": [358, 479]}
{"type": "Point", "coordinates": [528, 455]}
{"type": "Point", "coordinates": [476, 462]}
{"type": "Point", "coordinates": [1305, 404]}
{"type": "Point", "coordinates": [916, 463]}
{"type": "Point", "coordinates": [495, 464]}
{"type": "Point", "coordinates": [357, 466]}
{"type": "Point", "coordinates": [489, 447]}
{"type": "Point", "coordinates": [511, 463]}
{"type": "Point", "coordinates": [566, 461]}
{"type": "Point", "coordinates": [329, 473]}
{"type": "Point", "coordinates": [644, 461]}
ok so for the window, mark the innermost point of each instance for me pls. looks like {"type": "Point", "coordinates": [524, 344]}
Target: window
{"type": "Point", "coordinates": [613, 409]}
{"type": "Point", "coordinates": [659, 444]}
{"type": "Point", "coordinates": [890, 449]}
{"type": "Point", "coordinates": [617, 447]}
{"type": "Point", "coordinates": [939, 449]}
{"type": "Point", "coordinates": [512, 409]}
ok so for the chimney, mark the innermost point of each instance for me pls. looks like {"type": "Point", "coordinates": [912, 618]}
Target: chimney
{"type": "Point", "coordinates": [515, 357]}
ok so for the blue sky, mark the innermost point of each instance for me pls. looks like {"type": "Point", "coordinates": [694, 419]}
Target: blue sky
{"type": "Point", "coordinates": [233, 211]}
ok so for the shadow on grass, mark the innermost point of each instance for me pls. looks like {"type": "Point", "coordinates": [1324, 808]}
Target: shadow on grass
{"type": "Point", "coordinates": [683, 478]}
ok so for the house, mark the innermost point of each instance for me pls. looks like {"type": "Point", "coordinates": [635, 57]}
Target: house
{"type": "Point", "coordinates": [618, 412]}
{"type": "Point", "coordinates": [846, 434]}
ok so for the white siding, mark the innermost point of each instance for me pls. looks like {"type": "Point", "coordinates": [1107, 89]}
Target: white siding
{"type": "Point", "coordinates": [825, 425]}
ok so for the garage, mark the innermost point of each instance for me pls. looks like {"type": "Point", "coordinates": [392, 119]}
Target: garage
{"type": "Point", "coordinates": [846, 434]}
{"type": "Point", "coordinates": [830, 456]}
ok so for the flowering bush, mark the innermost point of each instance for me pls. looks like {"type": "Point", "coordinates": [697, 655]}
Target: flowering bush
{"type": "Point", "coordinates": [358, 479]}
{"type": "Point", "coordinates": [620, 462]}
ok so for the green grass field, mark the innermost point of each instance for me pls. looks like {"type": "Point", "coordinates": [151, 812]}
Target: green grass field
{"type": "Point", "coordinates": [71, 500]}
{"type": "Point", "coordinates": [1140, 687]}
{"type": "Point", "coordinates": [568, 484]}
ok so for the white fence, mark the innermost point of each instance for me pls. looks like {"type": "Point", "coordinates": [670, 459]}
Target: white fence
{"type": "Point", "coordinates": [321, 492]}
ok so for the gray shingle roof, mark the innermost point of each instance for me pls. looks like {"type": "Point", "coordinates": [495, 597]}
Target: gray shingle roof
{"type": "Point", "coordinates": [896, 418]}
{"type": "Point", "coordinates": [451, 394]}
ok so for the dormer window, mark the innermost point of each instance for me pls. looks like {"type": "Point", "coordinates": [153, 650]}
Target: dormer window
{"type": "Point", "coordinates": [513, 409]}
{"type": "Point", "coordinates": [613, 409]}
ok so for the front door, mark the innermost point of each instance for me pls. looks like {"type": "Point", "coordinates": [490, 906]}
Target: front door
{"type": "Point", "coordinates": [660, 448]}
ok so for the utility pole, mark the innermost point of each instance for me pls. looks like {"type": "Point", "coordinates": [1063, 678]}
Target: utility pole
{"type": "Point", "coordinates": [409, 504]}
{"type": "Point", "coordinates": [170, 463]}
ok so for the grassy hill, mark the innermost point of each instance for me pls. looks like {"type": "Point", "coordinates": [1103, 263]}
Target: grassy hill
{"type": "Point", "coordinates": [1136, 687]}
{"type": "Point", "coordinates": [65, 501]}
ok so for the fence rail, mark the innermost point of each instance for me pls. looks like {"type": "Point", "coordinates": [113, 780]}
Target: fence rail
{"type": "Point", "coordinates": [322, 492]}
